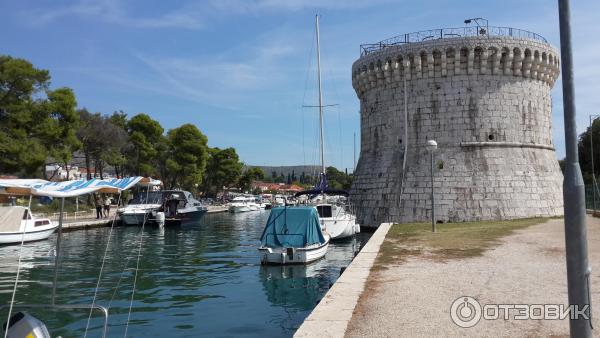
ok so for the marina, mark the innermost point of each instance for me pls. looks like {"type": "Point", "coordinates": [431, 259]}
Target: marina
{"type": "Point", "coordinates": [189, 280]}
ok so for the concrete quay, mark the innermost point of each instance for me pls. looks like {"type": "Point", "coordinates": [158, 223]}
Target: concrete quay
{"type": "Point", "coordinates": [333, 313]}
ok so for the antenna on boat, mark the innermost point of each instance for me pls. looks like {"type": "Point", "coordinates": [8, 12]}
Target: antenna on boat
{"type": "Point", "coordinates": [320, 96]}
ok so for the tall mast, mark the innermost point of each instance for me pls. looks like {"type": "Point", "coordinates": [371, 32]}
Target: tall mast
{"type": "Point", "coordinates": [320, 98]}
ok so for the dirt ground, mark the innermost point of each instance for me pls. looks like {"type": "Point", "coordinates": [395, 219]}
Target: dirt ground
{"type": "Point", "coordinates": [414, 297]}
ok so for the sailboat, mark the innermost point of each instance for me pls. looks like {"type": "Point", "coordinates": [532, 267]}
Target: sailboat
{"type": "Point", "coordinates": [335, 215]}
{"type": "Point", "coordinates": [298, 235]}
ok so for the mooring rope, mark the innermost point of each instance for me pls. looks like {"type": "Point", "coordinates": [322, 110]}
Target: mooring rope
{"type": "Point", "coordinates": [87, 325]}
{"type": "Point", "coordinates": [118, 283]}
{"type": "Point", "coordinates": [137, 266]}
{"type": "Point", "coordinates": [12, 299]}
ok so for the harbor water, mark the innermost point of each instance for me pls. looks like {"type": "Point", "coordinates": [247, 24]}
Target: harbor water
{"type": "Point", "coordinates": [198, 281]}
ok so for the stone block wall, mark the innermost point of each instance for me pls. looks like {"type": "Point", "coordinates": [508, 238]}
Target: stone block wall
{"type": "Point", "coordinates": [486, 101]}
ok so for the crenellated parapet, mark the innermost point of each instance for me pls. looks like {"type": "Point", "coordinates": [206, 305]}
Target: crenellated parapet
{"type": "Point", "coordinates": [485, 98]}
{"type": "Point", "coordinates": [498, 56]}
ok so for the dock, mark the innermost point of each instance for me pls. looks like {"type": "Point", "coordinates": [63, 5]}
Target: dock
{"type": "Point", "coordinates": [87, 219]}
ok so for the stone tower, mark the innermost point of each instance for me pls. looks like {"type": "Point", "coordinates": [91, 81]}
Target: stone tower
{"type": "Point", "coordinates": [484, 95]}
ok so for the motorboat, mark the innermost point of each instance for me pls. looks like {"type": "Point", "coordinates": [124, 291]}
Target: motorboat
{"type": "Point", "coordinates": [181, 208]}
{"type": "Point", "coordinates": [18, 224]}
{"type": "Point", "coordinates": [279, 201]}
{"type": "Point", "coordinates": [142, 208]}
{"type": "Point", "coordinates": [244, 204]}
{"type": "Point", "coordinates": [293, 235]}
{"type": "Point", "coordinates": [239, 204]}
{"type": "Point", "coordinates": [178, 206]}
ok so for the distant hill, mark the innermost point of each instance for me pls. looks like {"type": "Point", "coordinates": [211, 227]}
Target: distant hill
{"type": "Point", "coordinates": [285, 170]}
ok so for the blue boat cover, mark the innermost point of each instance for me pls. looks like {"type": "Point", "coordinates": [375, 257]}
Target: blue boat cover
{"type": "Point", "coordinates": [294, 227]}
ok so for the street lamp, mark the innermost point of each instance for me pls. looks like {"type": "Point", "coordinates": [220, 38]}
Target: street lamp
{"type": "Point", "coordinates": [593, 118]}
{"type": "Point", "coordinates": [480, 29]}
{"type": "Point", "coordinates": [431, 147]}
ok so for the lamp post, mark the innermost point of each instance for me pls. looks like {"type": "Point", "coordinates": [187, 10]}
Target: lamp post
{"type": "Point", "coordinates": [431, 147]}
{"type": "Point", "coordinates": [578, 270]}
{"type": "Point", "coordinates": [592, 120]}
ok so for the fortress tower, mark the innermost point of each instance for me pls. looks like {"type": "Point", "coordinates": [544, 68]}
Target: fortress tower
{"type": "Point", "coordinates": [484, 95]}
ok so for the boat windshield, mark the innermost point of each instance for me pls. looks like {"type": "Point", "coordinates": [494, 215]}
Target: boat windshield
{"type": "Point", "coordinates": [152, 197]}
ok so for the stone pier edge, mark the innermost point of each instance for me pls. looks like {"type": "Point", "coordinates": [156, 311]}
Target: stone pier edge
{"type": "Point", "coordinates": [333, 313]}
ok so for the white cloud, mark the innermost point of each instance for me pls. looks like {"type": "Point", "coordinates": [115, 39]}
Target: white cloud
{"type": "Point", "coordinates": [192, 15]}
{"type": "Point", "coordinates": [114, 12]}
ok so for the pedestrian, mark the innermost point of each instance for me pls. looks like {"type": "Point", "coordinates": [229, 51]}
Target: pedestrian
{"type": "Point", "coordinates": [98, 204]}
{"type": "Point", "coordinates": [107, 203]}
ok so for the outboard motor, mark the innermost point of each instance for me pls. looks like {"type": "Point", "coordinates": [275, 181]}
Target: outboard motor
{"type": "Point", "coordinates": [22, 325]}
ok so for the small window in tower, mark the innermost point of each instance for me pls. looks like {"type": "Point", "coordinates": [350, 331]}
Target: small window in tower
{"type": "Point", "coordinates": [491, 137]}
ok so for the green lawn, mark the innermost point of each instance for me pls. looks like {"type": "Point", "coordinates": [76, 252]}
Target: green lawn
{"type": "Point", "coordinates": [452, 240]}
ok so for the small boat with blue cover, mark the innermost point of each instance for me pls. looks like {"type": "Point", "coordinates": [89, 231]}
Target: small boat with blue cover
{"type": "Point", "coordinates": [293, 235]}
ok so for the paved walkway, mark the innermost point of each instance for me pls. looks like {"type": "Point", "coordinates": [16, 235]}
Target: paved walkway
{"type": "Point", "coordinates": [414, 297]}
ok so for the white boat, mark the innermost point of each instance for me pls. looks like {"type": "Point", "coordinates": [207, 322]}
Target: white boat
{"type": "Point", "coordinates": [137, 214]}
{"type": "Point", "coordinates": [337, 221]}
{"type": "Point", "coordinates": [17, 224]}
{"type": "Point", "coordinates": [279, 201]}
{"type": "Point", "coordinates": [243, 204]}
{"type": "Point", "coordinates": [179, 206]}
{"type": "Point", "coordinates": [293, 235]}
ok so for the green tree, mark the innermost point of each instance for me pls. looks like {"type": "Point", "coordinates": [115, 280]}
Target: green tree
{"type": "Point", "coordinates": [35, 122]}
{"type": "Point", "coordinates": [144, 134]}
{"type": "Point", "coordinates": [250, 175]}
{"type": "Point", "coordinates": [61, 136]}
{"type": "Point", "coordinates": [188, 154]}
{"type": "Point", "coordinates": [338, 179]}
{"type": "Point", "coordinates": [223, 169]}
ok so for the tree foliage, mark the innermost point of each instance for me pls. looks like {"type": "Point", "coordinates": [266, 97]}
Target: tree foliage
{"type": "Point", "coordinates": [144, 135]}
{"type": "Point", "coordinates": [338, 179]}
{"type": "Point", "coordinates": [187, 156]}
{"type": "Point", "coordinates": [223, 169]}
{"type": "Point", "coordinates": [39, 125]}
{"type": "Point", "coordinates": [35, 122]}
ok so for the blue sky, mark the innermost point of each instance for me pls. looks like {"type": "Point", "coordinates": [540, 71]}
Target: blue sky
{"type": "Point", "coordinates": [241, 69]}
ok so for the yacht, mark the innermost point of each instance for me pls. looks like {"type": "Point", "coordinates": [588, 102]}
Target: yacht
{"type": "Point", "coordinates": [178, 206]}
{"type": "Point", "coordinates": [244, 204]}
{"type": "Point", "coordinates": [293, 235]}
{"type": "Point", "coordinates": [18, 224]}
{"type": "Point", "coordinates": [142, 208]}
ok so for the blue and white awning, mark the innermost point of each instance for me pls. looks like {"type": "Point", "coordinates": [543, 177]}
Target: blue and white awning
{"type": "Point", "coordinates": [67, 188]}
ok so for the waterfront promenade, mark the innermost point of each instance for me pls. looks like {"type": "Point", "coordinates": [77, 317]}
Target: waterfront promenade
{"type": "Point", "coordinates": [413, 297]}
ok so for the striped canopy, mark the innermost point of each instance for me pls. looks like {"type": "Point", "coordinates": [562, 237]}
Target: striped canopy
{"type": "Point", "coordinates": [68, 188]}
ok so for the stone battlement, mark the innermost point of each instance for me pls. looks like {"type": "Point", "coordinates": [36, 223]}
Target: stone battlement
{"type": "Point", "coordinates": [486, 101]}
{"type": "Point", "coordinates": [500, 56]}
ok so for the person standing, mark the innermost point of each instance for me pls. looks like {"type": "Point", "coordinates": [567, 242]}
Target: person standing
{"type": "Point", "coordinates": [107, 203]}
{"type": "Point", "coordinates": [98, 204]}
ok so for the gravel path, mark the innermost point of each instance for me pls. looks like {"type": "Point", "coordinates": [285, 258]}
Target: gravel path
{"type": "Point", "coordinates": [414, 297]}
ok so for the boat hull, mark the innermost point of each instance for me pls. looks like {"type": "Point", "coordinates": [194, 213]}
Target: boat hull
{"type": "Point", "coordinates": [284, 256]}
{"type": "Point", "coordinates": [340, 228]}
{"type": "Point", "coordinates": [239, 208]}
{"type": "Point", "coordinates": [30, 236]}
{"type": "Point", "coordinates": [134, 218]}
{"type": "Point", "coordinates": [185, 218]}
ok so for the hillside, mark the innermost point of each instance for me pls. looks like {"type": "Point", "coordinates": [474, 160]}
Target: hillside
{"type": "Point", "coordinates": [311, 170]}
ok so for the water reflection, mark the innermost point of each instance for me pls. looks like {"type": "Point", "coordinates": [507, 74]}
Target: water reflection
{"type": "Point", "coordinates": [201, 280]}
